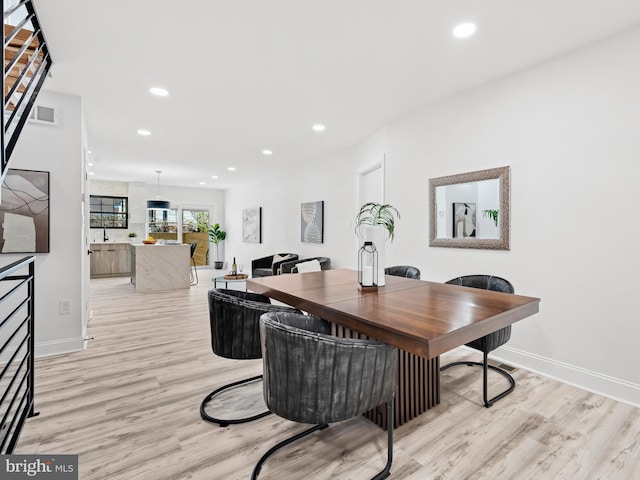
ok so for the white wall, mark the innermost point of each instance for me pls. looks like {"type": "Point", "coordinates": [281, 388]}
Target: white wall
{"type": "Point", "coordinates": [568, 129]}
{"type": "Point", "coordinates": [280, 198]}
{"type": "Point", "coordinates": [59, 274]}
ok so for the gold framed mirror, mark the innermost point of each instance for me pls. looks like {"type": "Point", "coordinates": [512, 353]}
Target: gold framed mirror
{"type": "Point", "coordinates": [470, 210]}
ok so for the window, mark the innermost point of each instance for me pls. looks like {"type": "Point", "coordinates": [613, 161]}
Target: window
{"type": "Point", "coordinates": [108, 212]}
{"type": "Point", "coordinates": [195, 221]}
{"type": "Point", "coordinates": [163, 221]}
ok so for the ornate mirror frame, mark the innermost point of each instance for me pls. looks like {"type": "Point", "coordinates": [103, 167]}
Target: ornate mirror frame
{"type": "Point", "coordinates": [501, 243]}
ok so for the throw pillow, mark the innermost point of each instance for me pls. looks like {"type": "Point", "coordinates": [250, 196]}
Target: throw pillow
{"type": "Point", "coordinates": [310, 266]}
{"type": "Point", "coordinates": [280, 258]}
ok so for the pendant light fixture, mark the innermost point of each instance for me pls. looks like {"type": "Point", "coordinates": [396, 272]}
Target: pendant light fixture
{"type": "Point", "coordinates": [158, 203]}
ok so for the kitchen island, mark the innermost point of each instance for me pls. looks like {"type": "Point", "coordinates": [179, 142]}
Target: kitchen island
{"type": "Point", "coordinates": [155, 268]}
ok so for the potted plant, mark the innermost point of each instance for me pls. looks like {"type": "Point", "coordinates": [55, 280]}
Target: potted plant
{"type": "Point", "coordinates": [216, 235]}
{"type": "Point", "coordinates": [492, 214]}
{"type": "Point", "coordinates": [375, 222]}
{"type": "Point", "coordinates": [132, 236]}
{"type": "Point", "coordinates": [376, 214]}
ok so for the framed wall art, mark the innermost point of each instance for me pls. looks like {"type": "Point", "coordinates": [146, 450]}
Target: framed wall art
{"type": "Point", "coordinates": [24, 212]}
{"type": "Point", "coordinates": [312, 222]}
{"type": "Point", "coordinates": [252, 225]}
{"type": "Point", "coordinates": [464, 220]}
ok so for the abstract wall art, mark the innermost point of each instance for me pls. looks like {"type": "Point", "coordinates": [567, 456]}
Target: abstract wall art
{"type": "Point", "coordinates": [252, 225]}
{"type": "Point", "coordinates": [464, 220]}
{"type": "Point", "coordinates": [312, 222]}
{"type": "Point", "coordinates": [24, 212]}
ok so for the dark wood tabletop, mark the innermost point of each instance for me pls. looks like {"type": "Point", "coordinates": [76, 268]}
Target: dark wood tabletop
{"type": "Point", "coordinates": [424, 318]}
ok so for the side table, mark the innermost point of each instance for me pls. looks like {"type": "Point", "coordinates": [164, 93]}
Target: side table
{"type": "Point", "coordinates": [231, 279]}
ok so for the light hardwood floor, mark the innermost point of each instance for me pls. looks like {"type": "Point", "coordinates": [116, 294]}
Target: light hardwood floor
{"type": "Point", "coordinates": [128, 406]}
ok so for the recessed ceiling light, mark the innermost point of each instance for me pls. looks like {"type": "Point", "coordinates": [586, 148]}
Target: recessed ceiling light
{"type": "Point", "coordinates": [464, 30]}
{"type": "Point", "coordinates": [144, 133]}
{"type": "Point", "coordinates": [267, 152]}
{"type": "Point", "coordinates": [159, 91]}
{"type": "Point", "coordinates": [215, 177]}
{"type": "Point", "coordinates": [90, 164]}
{"type": "Point", "coordinates": [89, 152]}
{"type": "Point", "coordinates": [91, 173]}
{"type": "Point", "coordinates": [319, 128]}
{"type": "Point", "coordinates": [202, 183]}
{"type": "Point", "coordinates": [231, 169]}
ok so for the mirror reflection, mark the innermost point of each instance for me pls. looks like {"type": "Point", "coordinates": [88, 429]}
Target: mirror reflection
{"type": "Point", "coordinates": [468, 210]}
{"type": "Point", "coordinates": [471, 210]}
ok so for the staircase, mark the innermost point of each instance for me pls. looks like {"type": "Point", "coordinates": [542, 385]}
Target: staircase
{"type": "Point", "coordinates": [26, 64]}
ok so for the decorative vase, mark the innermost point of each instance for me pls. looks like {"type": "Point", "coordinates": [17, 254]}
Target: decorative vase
{"type": "Point", "coordinates": [378, 236]}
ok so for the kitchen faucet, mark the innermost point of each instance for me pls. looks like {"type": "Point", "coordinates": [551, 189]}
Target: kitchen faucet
{"type": "Point", "coordinates": [104, 234]}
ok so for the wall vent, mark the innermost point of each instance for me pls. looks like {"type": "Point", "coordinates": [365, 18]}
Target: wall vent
{"type": "Point", "coordinates": [44, 114]}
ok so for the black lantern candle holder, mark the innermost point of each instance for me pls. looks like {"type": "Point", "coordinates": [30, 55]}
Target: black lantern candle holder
{"type": "Point", "coordinates": [368, 267]}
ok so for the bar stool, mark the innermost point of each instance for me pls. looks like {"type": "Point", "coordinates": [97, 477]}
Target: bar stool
{"type": "Point", "coordinates": [194, 270]}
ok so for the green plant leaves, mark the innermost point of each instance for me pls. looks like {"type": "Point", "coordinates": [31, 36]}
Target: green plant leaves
{"type": "Point", "coordinates": [492, 214]}
{"type": "Point", "coordinates": [216, 234]}
{"type": "Point", "coordinates": [383, 215]}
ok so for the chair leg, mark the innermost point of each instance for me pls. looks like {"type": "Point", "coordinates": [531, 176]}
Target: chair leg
{"type": "Point", "coordinates": [227, 422]}
{"type": "Point", "coordinates": [381, 475]}
{"type": "Point", "coordinates": [387, 468]}
{"type": "Point", "coordinates": [194, 273]}
{"type": "Point", "coordinates": [485, 366]}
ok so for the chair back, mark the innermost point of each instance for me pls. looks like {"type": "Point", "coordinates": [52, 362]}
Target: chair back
{"type": "Point", "coordinates": [192, 247]}
{"type": "Point", "coordinates": [290, 265]}
{"type": "Point", "coordinates": [234, 317]}
{"type": "Point", "coordinates": [487, 282]}
{"type": "Point", "coordinates": [403, 271]}
{"type": "Point", "coordinates": [334, 378]}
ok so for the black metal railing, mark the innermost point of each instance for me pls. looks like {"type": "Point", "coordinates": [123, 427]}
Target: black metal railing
{"type": "Point", "coordinates": [17, 299]}
{"type": "Point", "coordinates": [26, 62]}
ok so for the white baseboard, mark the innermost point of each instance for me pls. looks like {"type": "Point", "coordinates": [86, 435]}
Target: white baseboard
{"type": "Point", "coordinates": [595, 382]}
{"type": "Point", "coordinates": [58, 347]}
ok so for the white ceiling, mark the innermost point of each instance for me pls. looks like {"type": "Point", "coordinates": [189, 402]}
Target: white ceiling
{"type": "Point", "coordinates": [248, 75]}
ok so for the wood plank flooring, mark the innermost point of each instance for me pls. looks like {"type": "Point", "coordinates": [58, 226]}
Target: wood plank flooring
{"type": "Point", "coordinates": [129, 407]}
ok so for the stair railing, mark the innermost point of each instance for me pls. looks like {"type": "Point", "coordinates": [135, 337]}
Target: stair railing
{"type": "Point", "coordinates": [17, 301]}
{"type": "Point", "coordinates": [26, 63]}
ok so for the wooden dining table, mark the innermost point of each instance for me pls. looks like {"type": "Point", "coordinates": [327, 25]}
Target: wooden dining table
{"type": "Point", "coordinates": [423, 319]}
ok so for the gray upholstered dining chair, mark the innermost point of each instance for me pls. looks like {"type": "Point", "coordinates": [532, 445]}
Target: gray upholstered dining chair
{"type": "Point", "coordinates": [403, 271]}
{"type": "Point", "coordinates": [334, 378]}
{"type": "Point", "coordinates": [234, 317]}
{"type": "Point", "coordinates": [491, 341]}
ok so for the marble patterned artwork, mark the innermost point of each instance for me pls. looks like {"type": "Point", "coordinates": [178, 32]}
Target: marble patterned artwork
{"type": "Point", "coordinates": [24, 212]}
{"type": "Point", "coordinates": [252, 225]}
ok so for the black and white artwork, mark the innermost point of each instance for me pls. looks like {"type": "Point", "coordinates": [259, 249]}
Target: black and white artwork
{"type": "Point", "coordinates": [252, 225]}
{"type": "Point", "coordinates": [464, 220]}
{"type": "Point", "coordinates": [312, 222]}
{"type": "Point", "coordinates": [24, 212]}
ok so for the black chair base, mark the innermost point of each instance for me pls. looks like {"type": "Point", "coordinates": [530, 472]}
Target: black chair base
{"type": "Point", "coordinates": [384, 473]}
{"type": "Point", "coordinates": [485, 366]}
{"type": "Point", "coordinates": [227, 422]}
